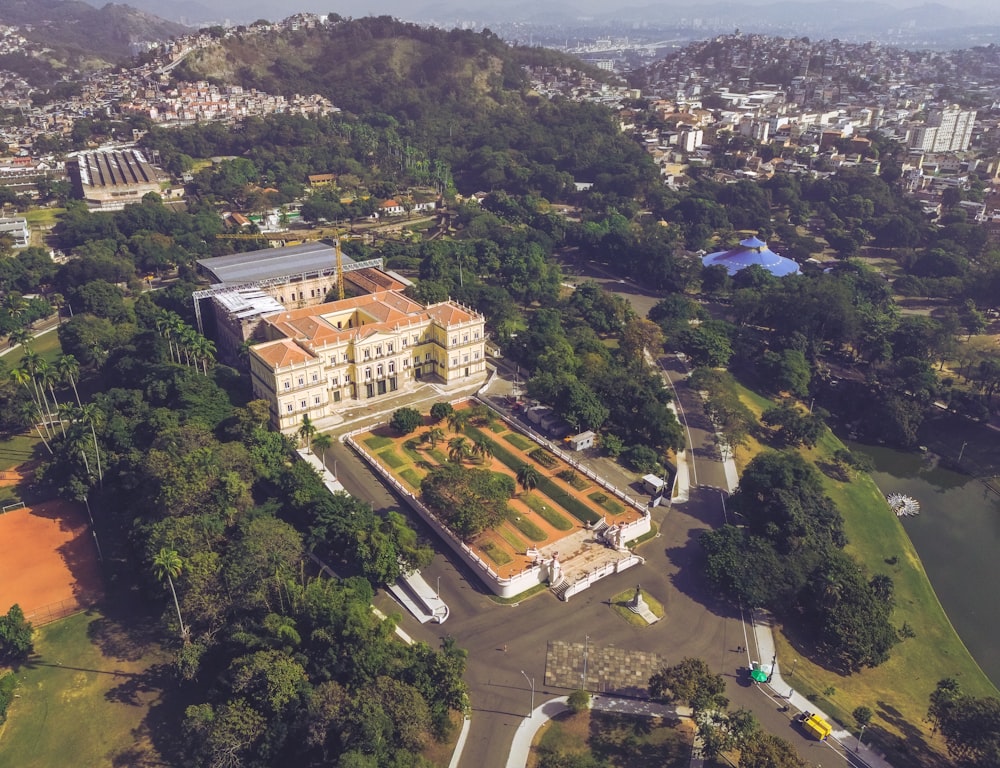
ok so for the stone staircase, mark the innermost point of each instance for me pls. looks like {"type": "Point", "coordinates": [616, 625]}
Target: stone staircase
{"type": "Point", "coordinates": [560, 587]}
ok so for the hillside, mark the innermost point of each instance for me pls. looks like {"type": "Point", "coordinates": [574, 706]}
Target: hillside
{"type": "Point", "coordinates": [76, 30]}
{"type": "Point", "coordinates": [378, 65]}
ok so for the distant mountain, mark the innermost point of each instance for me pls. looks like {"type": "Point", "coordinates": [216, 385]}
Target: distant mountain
{"type": "Point", "coordinates": [78, 29]}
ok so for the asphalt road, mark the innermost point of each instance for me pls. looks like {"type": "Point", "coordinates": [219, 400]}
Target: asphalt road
{"type": "Point", "coordinates": [504, 640]}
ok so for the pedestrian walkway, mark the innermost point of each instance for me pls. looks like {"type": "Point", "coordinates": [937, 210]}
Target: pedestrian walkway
{"type": "Point", "coordinates": [763, 636]}
{"type": "Point", "coordinates": [764, 639]}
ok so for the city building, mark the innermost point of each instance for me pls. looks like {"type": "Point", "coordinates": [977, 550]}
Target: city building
{"type": "Point", "coordinates": [17, 229]}
{"type": "Point", "coordinates": [320, 360]}
{"type": "Point", "coordinates": [109, 180]}
{"type": "Point", "coordinates": [251, 284]}
{"type": "Point", "coordinates": [947, 130]}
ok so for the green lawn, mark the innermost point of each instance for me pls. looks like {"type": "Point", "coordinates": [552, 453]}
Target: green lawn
{"type": "Point", "coordinates": [377, 442]}
{"type": "Point", "coordinates": [519, 441]}
{"type": "Point", "coordinates": [47, 346]}
{"type": "Point", "coordinates": [18, 449]}
{"type": "Point", "coordinates": [607, 502]}
{"type": "Point", "coordinates": [43, 217]}
{"type": "Point", "coordinates": [525, 526]}
{"type": "Point", "coordinates": [547, 513]}
{"type": "Point", "coordinates": [513, 539]}
{"type": "Point", "coordinates": [624, 741]}
{"type": "Point", "coordinates": [84, 699]}
{"type": "Point", "coordinates": [391, 458]}
{"type": "Point", "coordinates": [411, 476]}
{"type": "Point", "coordinates": [567, 501]}
{"type": "Point", "coordinates": [494, 553]}
{"type": "Point", "coordinates": [619, 604]}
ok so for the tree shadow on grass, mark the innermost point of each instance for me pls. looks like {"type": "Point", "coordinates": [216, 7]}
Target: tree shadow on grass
{"type": "Point", "coordinates": [137, 688]}
{"type": "Point", "coordinates": [910, 748]}
{"type": "Point", "coordinates": [622, 739]}
{"type": "Point", "coordinates": [127, 630]}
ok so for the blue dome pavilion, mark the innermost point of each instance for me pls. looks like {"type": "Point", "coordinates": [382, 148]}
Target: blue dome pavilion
{"type": "Point", "coordinates": [751, 251]}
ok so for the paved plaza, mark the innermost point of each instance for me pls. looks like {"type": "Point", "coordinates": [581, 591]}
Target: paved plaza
{"type": "Point", "coordinates": [608, 669]}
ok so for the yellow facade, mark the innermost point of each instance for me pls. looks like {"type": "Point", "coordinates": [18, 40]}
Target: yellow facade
{"type": "Point", "coordinates": [320, 360]}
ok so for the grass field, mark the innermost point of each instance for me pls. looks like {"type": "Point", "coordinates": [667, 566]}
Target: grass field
{"type": "Point", "coordinates": [519, 441]}
{"type": "Point", "coordinates": [512, 539]}
{"type": "Point", "coordinates": [619, 604]}
{"type": "Point", "coordinates": [622, 740]}
{"type": "Point", "coordinates": [525, 526]}
{"type": "Point", "coordinates": [85, 698]}
{"type": "Point", "coordinates": [47, 346]}
{"type": "Point", "coordinates": [607, 503]}
{"type": "Point", "coordinates": [494, 553]}
{"type": "Point", "coordinates": [411, 476]}
{"type": "Point", "coordinates": [544, 511]}
{"type": "Point", "coordinates": [897, 691]}
{"type": "Point", "coordinates": [389, 457]}
{"type": "Point", "coordinates": [18, 449]}
{"type": "Point", "coordinates": [377, 442]}
{"type": "Point", "coordinates": [43, 217]}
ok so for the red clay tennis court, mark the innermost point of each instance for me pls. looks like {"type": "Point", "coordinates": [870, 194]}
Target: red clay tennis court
{"type": "Point", "coordinates": [48, 559]}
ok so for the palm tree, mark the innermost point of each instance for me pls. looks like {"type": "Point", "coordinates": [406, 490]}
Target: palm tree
{"type": "Point", "coordinates": [30, 361]}
{"type": "Point", "coordinates": [482, 448]}
{"type": "Point", "coordinates": [68, 367]}
{"type": "Point", "coordinates": [168, 565]}
{"type": "Point", "coordinates": [22, 375]}
{"type": "Point", "coordinates": [176, 332]}
{"type": "Point", "coordinates": [204, 350]}
{"type": "Point", "coordinates": [433, 436]}
{"type": "Point", "coordinates": [307, 431]}
{"type": "Point", "coordinates": [20, 336]}
{"type": "Point", "coordinates": [457, 421]}
{"type": "Point", "coordinates": [90, 414]}
{"type": "Point", "coordinates": [458, 449]}
{"type": "Point", "coordinates": [188, 339]}
{"type": "Point", "coordinates": [322, 441]}
{"type": "Point", "coordinates": [47, 377]}
{"type": "Point", "coordinates": [163, 327]}
{"type": "Point", "coordinates": [33, 413]}
{"type": "Point", "coordinates": [527, 476]}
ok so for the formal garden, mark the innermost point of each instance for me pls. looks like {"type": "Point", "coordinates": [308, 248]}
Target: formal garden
{"type": "Point", "coordinates": [503, 493]}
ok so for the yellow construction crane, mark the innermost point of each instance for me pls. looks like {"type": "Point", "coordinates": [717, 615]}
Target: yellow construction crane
{"type": "Point", "coordinates": [340, 272]}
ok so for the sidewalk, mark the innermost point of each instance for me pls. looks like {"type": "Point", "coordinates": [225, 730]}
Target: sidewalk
{"type": "Point", "coordinates": [764, 640]}
{"type": "Point", "coordinates": [530, 726]}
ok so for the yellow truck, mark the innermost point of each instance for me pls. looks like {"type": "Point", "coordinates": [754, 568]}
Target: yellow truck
{"type": "Point", "coordinates": [815, 726]}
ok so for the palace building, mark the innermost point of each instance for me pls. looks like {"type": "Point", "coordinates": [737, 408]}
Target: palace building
{"type": "Point", "coordinates": [317, 361]}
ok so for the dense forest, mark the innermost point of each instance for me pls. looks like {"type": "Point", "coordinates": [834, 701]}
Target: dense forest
{"type": "Point", "coordinates": [188, 485]}
{"type": "Point", "coordinates": [192, 489]}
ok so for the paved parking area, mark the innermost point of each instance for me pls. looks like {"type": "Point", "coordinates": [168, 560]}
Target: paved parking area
{"type": "Point", "coordinates": [609, 669]}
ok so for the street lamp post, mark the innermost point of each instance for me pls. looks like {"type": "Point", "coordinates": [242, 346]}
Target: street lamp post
{"type": "Point", "coordinates": [531, 682]}
{"type": "Point", "coordinates": [860, 737]}
{"type": "Point", "coordinates": [439, 588]}
{"type": "Point", "coordinates": [586, 650]}
{"type": "Point", "coordinates": [335, 475]}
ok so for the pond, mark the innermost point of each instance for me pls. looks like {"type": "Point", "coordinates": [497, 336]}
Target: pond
{"type": "Point", "coordinates": [957, 535]}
